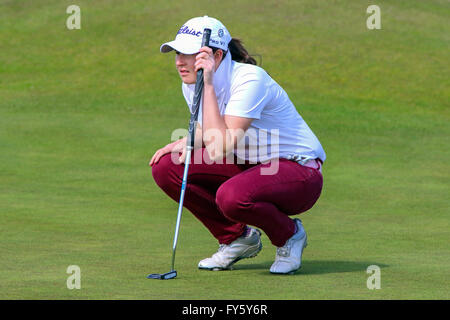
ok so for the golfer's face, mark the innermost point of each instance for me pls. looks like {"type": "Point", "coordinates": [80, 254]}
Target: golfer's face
{"type": "Point", "coordinates": [185, 64]}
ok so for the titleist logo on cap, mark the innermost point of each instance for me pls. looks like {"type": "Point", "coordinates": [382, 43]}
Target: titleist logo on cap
{"type": "Point", "coordinates": [186, 30]}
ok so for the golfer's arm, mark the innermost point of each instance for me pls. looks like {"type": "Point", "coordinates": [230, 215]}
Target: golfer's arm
{"type": "Point", "coordinates": [220, 134]}
{"type": "Point", "coordinates": [198, 137]}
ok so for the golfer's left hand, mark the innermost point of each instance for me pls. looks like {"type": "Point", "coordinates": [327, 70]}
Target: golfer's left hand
{"type": "Point", "coordinates": [205, 60]}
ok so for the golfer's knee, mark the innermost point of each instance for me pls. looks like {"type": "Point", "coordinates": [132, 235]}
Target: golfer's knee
{"type": "Point", "coordinates": [231, 202]}
{"type": "Point", "coordinates": [160, 172]}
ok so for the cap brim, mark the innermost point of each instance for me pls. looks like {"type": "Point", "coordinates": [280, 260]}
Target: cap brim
{"type": "Point", "coordinates": [179, 46]}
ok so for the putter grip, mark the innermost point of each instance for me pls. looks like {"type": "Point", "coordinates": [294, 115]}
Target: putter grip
{"type": "Point", "coordinates": [197, 94]}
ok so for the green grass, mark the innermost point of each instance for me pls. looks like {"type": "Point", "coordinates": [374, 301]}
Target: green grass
{"type": "Point", "coordinates": [81, 113]}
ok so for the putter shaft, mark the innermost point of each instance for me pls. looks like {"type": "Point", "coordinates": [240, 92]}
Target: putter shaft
{"type": "Point", "coordinates": [180, 206]}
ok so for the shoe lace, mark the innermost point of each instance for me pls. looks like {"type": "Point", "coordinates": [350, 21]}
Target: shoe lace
{"type": "Point", "coordinates": [218, 255]}
{"type": "Point", "coordinates": [284, 251]}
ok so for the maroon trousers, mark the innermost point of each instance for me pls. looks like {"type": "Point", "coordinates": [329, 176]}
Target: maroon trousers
{"type": "Point", "coordinates": [227, 197]}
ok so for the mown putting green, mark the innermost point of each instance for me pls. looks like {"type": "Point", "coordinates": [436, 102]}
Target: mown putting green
{"type": "Point", "coordinates": [82, 111]}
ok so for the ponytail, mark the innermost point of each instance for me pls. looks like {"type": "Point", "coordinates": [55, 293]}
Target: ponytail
{"type": "Point", "coordinates": [239, 53]}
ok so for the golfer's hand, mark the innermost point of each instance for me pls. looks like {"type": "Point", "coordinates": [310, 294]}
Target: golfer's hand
{"type": "Point", "coordinates": [205, 60]}
{"type": "Point", "coordinates": [158, 154]}
{"type": "Point", "coordinates": [182, 158]}
{"type": "Point", "coordinates": [175, 147]}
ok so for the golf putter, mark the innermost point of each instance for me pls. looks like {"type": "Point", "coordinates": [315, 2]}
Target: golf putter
{"type": "Point", "coordinates": [189, 147]}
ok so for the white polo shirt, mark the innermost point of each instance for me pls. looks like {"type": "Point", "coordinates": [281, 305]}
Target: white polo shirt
{"type": "Point", "coordinates": [277, 131]}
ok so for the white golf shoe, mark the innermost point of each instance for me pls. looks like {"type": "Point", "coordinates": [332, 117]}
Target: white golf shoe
{"type": "Point", "coordinates": [227, 255]}
{"type": "Point", "coordinates": [289, 257]}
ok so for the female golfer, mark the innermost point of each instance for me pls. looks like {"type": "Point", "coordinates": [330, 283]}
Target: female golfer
{"type": "Point", "coordinates": [256, 161]}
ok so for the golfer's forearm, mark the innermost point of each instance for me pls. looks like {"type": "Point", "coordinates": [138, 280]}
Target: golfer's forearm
{"type": "Point", "coordinates": [216, 135]}
{"type": "Point", "coordinates": [198, 137]}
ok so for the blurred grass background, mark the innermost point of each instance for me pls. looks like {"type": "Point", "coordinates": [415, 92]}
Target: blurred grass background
{"type": "Point", "coordinates": [82, 112]}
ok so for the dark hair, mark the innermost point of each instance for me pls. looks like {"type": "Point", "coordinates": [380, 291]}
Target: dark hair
{"type": "Point", "coordinates": [238, 52]}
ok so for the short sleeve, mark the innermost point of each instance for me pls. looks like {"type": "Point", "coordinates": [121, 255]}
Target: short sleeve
{"type": "Point", "coordinates": [249, 97]}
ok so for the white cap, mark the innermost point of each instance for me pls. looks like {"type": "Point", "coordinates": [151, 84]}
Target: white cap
{"type": "Point", "coordinates": [189, 37]}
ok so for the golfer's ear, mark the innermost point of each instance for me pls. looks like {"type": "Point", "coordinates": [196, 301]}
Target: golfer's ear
{"type": "Point", "coordinates": [218, 57]}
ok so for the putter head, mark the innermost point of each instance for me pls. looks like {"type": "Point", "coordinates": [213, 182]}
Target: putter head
{"type": "Point", "coordinates": [164, 276]}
